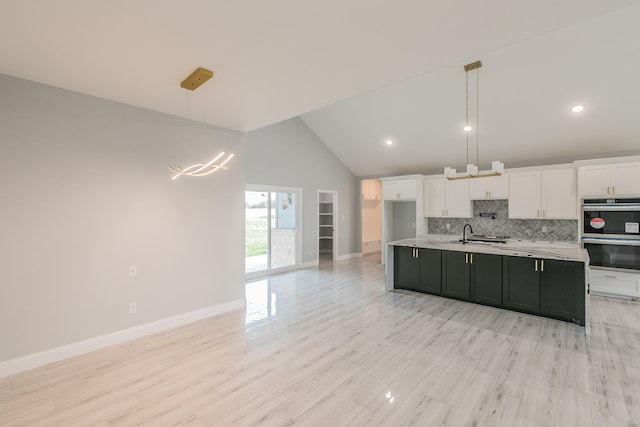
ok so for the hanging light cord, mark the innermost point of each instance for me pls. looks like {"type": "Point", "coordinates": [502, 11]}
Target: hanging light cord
{"type": "Point", "coordinates": [477, 117]}
{"type": "Point", "coordinates": [466, 81]}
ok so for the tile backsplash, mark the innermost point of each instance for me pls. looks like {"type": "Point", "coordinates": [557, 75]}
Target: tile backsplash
{"type": "Point", "coordinates": [528, 229]}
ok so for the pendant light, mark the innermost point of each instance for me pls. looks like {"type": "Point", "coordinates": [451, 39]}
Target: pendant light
{"type": "Point", "coordinates": [194, 81]}
{"type": "Point", "coordinates": [497, 167]}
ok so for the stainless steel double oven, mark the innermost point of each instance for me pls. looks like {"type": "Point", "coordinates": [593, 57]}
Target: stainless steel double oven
{"type": "Point", "coordinates": [611, 234]}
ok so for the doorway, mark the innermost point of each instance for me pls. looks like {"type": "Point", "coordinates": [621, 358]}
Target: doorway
{"type": "Point", "coordinates": [371, 219]}
{"type": "Point", "coordinates": [327, 225]}
{"type": "Point", "coordinates": [271, 231]}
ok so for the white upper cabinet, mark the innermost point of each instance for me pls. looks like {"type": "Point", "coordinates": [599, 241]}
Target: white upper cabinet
{"type": "Point", "coordinates": [446, 198]}
{"type": "Point", "coordinates": [559, 197]}
{"type": "Point", "coordinates": [458, 204]}
{"type": "Point", "coordinates": [434, 205]}
{"type": "Point", "coordinates": [544, 194]}
{"type": "Point", "coordinates": [525, 194]}
{"type": "Point", "coordinates": [400, 190]}
{"type": "Point", "coordinates": [609, 180]}
{"type": "Point", "coordinates": [495, 187]}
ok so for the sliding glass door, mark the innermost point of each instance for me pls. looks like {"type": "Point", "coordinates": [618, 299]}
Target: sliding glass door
{"type": "Point", "coordinates": [271, 238]}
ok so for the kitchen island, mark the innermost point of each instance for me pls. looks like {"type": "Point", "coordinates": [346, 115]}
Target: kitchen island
{"type": "Point", "coordinates": [542, 278]}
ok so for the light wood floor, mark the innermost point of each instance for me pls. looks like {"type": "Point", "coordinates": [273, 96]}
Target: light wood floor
{"type": "Point", "coordinates": [328, 347]}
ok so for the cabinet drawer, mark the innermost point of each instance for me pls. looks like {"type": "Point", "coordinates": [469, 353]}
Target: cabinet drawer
{"type": "Point", "coordinates": [614, 283]}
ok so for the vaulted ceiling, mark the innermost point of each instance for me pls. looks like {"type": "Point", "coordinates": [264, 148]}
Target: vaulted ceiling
{"type": "Point", "coordinates": [357, 72]}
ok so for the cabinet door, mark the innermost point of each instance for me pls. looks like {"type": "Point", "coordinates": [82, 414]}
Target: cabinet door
{"type": "Point", "coordinates": [406, 268]}
{"type": "Point", "coordinates": [520, 284]}
{"type": "Point", "coordinates": [456, 196]}
{"type": "Point", "coordinates": [594, 180]}
{"type": "Point", "coordinates": [498, 187]}
{"type": "Point", "coordinates": [524, 195]}
{"type": "Point", "coordinates": [434, 197]}
{"type": "Point", "coordinates": [559, 198]}
{"type": "Point", "coordinates": [456, 274]}
{"type": "Point", "coordinates": [430, 271]}
{"type": "Point", "coordinates": [390, 190]}
{"type": "Point", "coordinates": [625, 179]}
{"type": "Point", "coordinates": [495, 187]}
{"type": "Point", "coordinates": [562, 292]}
{"type": "Point", "coordinates": [486, 279]}
{"type": "Point", "coordinates": [478, 189]}
{"type": "Point", "coordinates": [407, 190]}
{"type": "Point", "coordinates": [366, 189]}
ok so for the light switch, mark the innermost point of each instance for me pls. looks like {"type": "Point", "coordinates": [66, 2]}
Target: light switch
{"type": "Point", "coordinates": [133, 270]}
{"type": "Point", "coordinates": [133, 308]}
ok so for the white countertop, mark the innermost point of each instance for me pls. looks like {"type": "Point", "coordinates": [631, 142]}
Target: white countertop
{"type": "Point", "coordinates": [563, 251]}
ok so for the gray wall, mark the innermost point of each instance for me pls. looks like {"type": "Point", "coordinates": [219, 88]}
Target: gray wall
{"type": "Point", "coordinates": [289, 154]}
{"type": "Point", "coordinates": [404, 220]}
{"type": "Point", "coordinates": [86, 192]}
{"type": "Point", "coordinates": [528, 229]}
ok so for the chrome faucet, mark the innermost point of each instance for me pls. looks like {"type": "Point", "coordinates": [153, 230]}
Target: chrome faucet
{"type": "Point", "coordinates": [464, 235]}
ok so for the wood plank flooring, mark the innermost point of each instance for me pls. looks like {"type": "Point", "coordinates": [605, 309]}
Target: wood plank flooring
{"type": "Point", "coordinates": [329, 347]}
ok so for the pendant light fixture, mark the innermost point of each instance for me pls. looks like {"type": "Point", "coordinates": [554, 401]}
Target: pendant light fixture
{"type": "Point", "coordinates": [194, 81]}
{"type": "Point", "coordinates": [497, 167]}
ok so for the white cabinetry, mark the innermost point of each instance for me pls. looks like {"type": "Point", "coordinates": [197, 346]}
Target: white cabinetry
{"type": "Point", "coordinates": [543, 194]}
{"type": "Point", "coordinates": [447, 198]}
{"type": "Point", "coordinates": [400, 190]}
{"type": "Point", "coordinates": [495, 187]}
{"type": "Point", "coordinates": [614, 283]}
{"type": "Point", "coordinates": [609, 180]}
{"type": "Point", "coordinates": [402, 214]}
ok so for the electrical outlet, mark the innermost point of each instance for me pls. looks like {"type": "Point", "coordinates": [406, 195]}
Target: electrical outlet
{"type": "Point", "coordinates": [448, 226]}
{"type": "Point", "coordinates": [133, 307]}
{"type": "Point", "coordinates": [544, 229]}
{"type": "Point", "coordinates": [133, 270]}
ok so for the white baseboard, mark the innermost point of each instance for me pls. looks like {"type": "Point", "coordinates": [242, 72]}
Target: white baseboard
{"type": "Point", "coordinates": [36, 360]}
{"type": "Point", "coordinates": [309, 264]}
{"type": "Point", "coordinates": [349, 256]}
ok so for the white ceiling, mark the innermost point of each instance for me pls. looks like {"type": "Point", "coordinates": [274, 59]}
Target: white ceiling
{"type": "Point", "coordinates": [278, 59]}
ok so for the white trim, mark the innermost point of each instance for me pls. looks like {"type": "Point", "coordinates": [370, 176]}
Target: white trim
{"type": "Point", "coordinates": [310, 264]}
{"type": "Point", "coordinates": [299, 203]}
{"type": "Point", "coordinates": [335, 221]}
{"type": "Point", "coordinates": [35, 360]}
{"type": "Point", "coordinates": [349, 256]}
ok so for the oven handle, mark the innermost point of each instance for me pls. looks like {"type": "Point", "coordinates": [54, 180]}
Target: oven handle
{"type": "Point", "coordinates": [611, 242]}
{"type": "Point", "coordinates": [609, 208]}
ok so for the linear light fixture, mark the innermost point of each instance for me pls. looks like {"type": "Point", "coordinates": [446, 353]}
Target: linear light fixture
{"type": "Point", "coordinates": [497, 167]}
{"type": "Point", "coordinates": [194, 81]}
{"type": "Point", "coordinates": [201, 169]}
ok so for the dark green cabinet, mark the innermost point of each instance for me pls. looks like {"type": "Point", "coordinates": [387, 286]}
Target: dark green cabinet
{"type": "Point", "coordinates": [551, 288]}
{"type": "Point", "coordinates": [406, 268]}
{"type": "Point", "coordinates": [418, 269]}
{"type": "Point", "coordinates": [486, 279]}
{"type": "Point", "coordinates": [430, 271]}
{"type": "Point", "coordinates": [562, 293]}
{"type": "Point", "coordinates": [521, 284]}
{"type": "Point", "coordinates": [472, 276]}
{"type": "Point", "coordinates": [456, 274]}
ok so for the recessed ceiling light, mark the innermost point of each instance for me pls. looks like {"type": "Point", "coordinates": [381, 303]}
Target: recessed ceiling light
{"type": "Point", "coordinates": [577, 108]}
{"type": "Point", "coordinates": [467, 128]}
{"type": "Point", "coordinates": [389, 142]}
